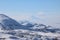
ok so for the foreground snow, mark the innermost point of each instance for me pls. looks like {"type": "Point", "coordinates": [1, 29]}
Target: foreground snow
{"type": "Point", "coordinates": [27, 35]}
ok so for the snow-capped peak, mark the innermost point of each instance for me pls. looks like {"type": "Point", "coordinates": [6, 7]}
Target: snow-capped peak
{"type": "Point", "coordinates": [2, 17]}
{"type": "Point", "coordinates": [8, 22]}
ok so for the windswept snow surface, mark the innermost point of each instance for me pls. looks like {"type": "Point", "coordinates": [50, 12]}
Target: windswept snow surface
{"type": "Point", "coordinates": [28, 35]}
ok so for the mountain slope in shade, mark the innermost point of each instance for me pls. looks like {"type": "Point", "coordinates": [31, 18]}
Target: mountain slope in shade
{"type": "Point", "coordinates": [8, 23]}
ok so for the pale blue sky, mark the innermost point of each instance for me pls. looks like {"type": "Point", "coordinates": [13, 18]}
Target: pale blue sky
{"type": "Point", "coordinates": [29, 6]}
{"type": "Point", "coordinates": [45, 11]}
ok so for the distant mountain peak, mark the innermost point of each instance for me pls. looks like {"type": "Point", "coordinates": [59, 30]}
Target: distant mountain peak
{"type": "Point", "coordinates": [8, 22]}
{"type": "Point", "coordinates": [3, 15]}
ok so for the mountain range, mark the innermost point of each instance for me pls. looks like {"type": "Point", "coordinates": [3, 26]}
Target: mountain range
{"type": "Point", "coordinates": [7, 23]}
{"type": "Point", "coordinates": [10, 29]}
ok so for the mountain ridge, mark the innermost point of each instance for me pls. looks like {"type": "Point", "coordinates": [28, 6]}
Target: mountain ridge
{"type": "Point", "coordinates": [8, 23]}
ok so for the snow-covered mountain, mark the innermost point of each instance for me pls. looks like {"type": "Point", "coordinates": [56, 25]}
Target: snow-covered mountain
{"type": "Point", "coordinates": [26, 30]}
{"type": "Point", "coordinates": [39, 27]}
{"type": "Point", "coordinates": [8, 23]}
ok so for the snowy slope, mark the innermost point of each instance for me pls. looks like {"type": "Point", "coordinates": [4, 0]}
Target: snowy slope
{"type": "Point", "coordinates": [27, 35]}
{"type": "Point", "coordinates": [39, 27]}
{"type": "Point", "coordinates": [8, 23]}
